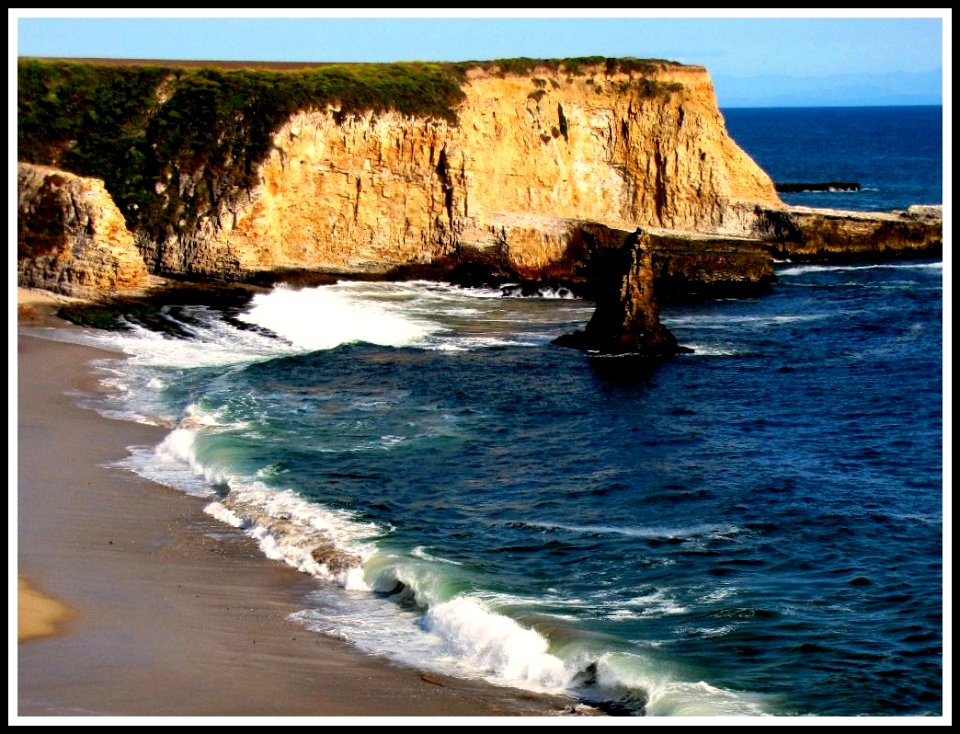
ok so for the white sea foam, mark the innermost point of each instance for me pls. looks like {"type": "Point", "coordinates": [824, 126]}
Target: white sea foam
{"type": "Point", "coordinates": [516, 290]}
{"type": "Point", "coordinates": [708, 632]}
{"type": "Point", "coordinates": [127, 415]}
{"type": "Point", "coordinates": [655, 604]}
{"type": "Point", "coordinates": [497, 645]}
{"type": "Point", "coordinates": [507, 290]}
{"type": "Point", "coordinates": [175, 460]}
{"type": "Point", "coordinates": [712, 350]}
{"type": "Point", "coordinates": [421, 552]}
{"type": "Point", "coordinates": [667, 696]}
{"type": "Point", "coordinates": [471, 343]}
{"type": "Point", "coordinates": [413, 290]}
{"type": "Point", "coordinates": [796, 270]}
{"type": "Point", "coordinates": [712, 531]}
{"type": "Point", "coordinates": [214, 343]}
{"type": "Point", "coordinates": [461, 634]}
{"type": "Point", "coordinates": [178, 448]}
{"type": "Point", "coordinates": [325, 543]}
{"type": "Point", "coordinates": [718, 593]}
{"type": "Point", "coordinates": [174, 463]}
{"type": "Point", "coordinates": [465, 636]}
{"type": "Point", "coordinates": [224, 515]}
{"type": "Point", "coordinates": [328, 544]}
{"type": "Point", "coordinates": [323, 318]}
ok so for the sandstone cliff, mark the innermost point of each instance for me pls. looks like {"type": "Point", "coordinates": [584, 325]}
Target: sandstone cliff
{"type": "Point", "coordinates": [71, 237]}
{"type": "Point", "coordinates": [512, 166]}
{"type": "Point", "coordinates": [530, 157]}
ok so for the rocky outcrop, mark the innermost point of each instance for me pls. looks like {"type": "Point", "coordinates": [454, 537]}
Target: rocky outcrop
{"type": "Point", "coordinates": [528, 154]}
{"type": "Point", "coordinates": [71, 238]}
{"type": "Point", "coordinates": [626, 319]}
{"type": "Point", "coordinates": [793, 188]}
{"type": "Point", "coordinates": [686, 266]}
{"type": "Point", "coordinates": [828, 235]}
{"type": "Point", "coordinates": [690, 267]}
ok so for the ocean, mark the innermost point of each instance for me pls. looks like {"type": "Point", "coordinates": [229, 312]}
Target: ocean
{"type": "Point", "coordinates": [894, 153]}
{"type": "Point", "coordinates": [753, 528]}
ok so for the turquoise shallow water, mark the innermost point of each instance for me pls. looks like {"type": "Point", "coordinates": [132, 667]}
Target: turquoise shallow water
{"type": "Point", "coordinates": [752, 528]}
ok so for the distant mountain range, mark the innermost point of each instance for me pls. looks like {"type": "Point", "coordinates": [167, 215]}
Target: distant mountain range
{"type": "Point", "coordinates": [852, 90]}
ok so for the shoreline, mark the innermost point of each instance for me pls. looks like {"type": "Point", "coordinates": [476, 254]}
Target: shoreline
{"type": "Point", "coordinates": [175, 613]}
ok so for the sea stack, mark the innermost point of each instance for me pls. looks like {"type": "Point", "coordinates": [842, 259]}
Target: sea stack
{"type": "Point", "coordinates": [626, 320]}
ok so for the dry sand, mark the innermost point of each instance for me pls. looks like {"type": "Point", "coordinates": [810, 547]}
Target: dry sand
{"type": "Point", "coordinates": [38, 614]}
{"type": "Point", "coordinates": [174, 613]}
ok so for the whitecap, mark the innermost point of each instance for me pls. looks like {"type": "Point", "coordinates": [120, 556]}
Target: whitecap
{"type": "Point", "coordinates": [322, 318]}
{"type": "Point", "coordinates": [797, 270]}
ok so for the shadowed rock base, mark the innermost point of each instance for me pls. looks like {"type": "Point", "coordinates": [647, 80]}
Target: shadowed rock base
{"type": "Point", "coordinates": [626, 320]}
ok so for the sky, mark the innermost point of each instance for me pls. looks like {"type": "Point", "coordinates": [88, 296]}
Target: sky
{"type": "Point", "coordinates": [735, 50]}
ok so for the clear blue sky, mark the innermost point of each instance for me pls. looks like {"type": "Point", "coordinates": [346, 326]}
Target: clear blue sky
{"type": "Point", "coordinates": [727, 46]}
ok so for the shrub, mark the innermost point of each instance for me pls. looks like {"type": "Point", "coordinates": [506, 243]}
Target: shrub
{"type": "Point", "coordinates": [202, 140]}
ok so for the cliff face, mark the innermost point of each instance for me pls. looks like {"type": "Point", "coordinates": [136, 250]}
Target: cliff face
{"type": "Point", "coordinates": [71, 237]}
{"type": "Point", "coordinates": [510, 167]}
{"type": "Point", "coordinates": [365, 194]}
{"type": "Point", "coordinates": [530, 157]}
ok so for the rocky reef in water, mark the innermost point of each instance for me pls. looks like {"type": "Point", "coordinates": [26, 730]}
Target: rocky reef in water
{"type": "Point", "coordinates": [805, 234]}
{"type": "Point", "coordinates": [784, 187]}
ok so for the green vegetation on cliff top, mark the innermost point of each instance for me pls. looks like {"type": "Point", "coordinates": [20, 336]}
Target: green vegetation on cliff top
{"type": "Point", "coordinates": [171, 142]}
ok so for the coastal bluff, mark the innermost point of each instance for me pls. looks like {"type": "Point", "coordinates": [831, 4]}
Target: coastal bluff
{"type": "Point", "coordinates": [517, 169]}
{"type": "Point", "coordinates": [223, 174]}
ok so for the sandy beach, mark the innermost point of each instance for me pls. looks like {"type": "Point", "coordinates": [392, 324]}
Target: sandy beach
{"type": "Point", "coordinates": [160, 610]}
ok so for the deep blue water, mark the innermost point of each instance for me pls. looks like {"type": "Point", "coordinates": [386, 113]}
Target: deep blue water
{"type": "Point", "coordinates": [894, 153]}
{"type": "Point", "coordinates": [752, 528]}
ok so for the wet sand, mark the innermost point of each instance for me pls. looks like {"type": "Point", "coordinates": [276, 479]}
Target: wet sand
{"type": "Point", "coordinates": [172, 612]}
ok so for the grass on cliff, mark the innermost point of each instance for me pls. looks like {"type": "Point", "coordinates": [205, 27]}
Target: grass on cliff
{"type": "Point", "coordinates": [172, 143]}
{"type": "Point", "coordinates": [576, 66]}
